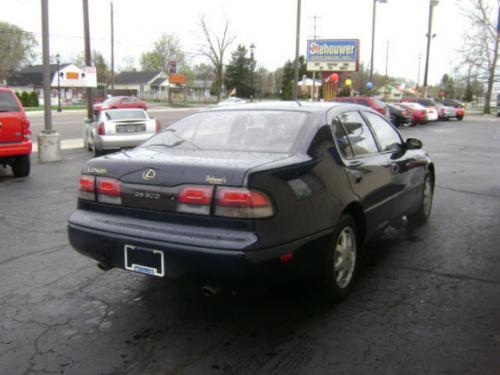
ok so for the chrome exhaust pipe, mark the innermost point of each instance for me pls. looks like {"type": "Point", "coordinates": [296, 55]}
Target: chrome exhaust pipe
{"type": "Point", "coordinates": [104, 266]}
{"type": "Point", "coordinates": [211, 290]}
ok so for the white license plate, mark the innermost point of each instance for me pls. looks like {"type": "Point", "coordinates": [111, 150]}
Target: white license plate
{"type": "Point", "coordinates": [142, 260]}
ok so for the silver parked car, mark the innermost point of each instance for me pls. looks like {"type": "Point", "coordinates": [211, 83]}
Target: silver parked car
{"type": "Point", "coordinates": [115, 129]}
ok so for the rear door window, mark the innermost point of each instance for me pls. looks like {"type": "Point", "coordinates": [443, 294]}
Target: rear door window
{"type": "Point", "coordinates": [8, 103]}
{"type": "Point", "coordinates": [359, 134]}
{"type": "Point", "coordinates": [388, 138]}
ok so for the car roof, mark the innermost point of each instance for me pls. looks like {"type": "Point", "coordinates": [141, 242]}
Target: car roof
{"type": "Point", "coordinates": [300, 106]}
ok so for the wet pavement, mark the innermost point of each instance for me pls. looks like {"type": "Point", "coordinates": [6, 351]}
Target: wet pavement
{"type": "Point", "coordinates": [426, 300]}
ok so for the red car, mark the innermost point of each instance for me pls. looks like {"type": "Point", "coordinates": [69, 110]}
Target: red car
{"type": "Point", "coordinates": [116, 102]}
{"type": "Point", "coordinates": [15, 135]}
{"type": "Point", "coordinates": [367, 101]}
{"type": "Point", "coordinates": [419, 116]}
{"type": "Point", "coordinates": [459, 113]}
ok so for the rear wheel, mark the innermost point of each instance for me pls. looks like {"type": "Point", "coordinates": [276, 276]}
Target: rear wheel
{"type": "Point", "coordinates": [342, 259]}
{"type": "Point", "coordinates": [21, 166]}
{"type": "Point", "coordinates": [421, 216]}
{"type": "Point", "coordinates": [459, 118]}
{"type": "Point", "coordinates": [96, 152]}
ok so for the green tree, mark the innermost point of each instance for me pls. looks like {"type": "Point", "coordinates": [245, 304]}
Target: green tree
{"type": "Point", "coordinates": [166, 48]}
{"type": "Point", "coordinates": [103, 71]}
{"type": "Point", "coordinates": [25, 99]}
{"type": "Point", "coordinates": [448, 86]}
{"type": "Point", "coordinates": [17, 48]}
{"type": "Point", "coordinates": [288, 76]}
{"type": "Point", "coordinates": [238, 72]}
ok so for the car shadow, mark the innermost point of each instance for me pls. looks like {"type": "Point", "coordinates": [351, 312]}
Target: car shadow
{"type": "Point", "coordinates": [242, 331]}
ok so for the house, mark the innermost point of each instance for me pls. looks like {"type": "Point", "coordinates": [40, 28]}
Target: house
{"type": "Point", "coordinates": [146, 85]}
{"type": "Point", "coordinates": [71, 80]}
{"type": "Point", "coordinates": [199, 89]}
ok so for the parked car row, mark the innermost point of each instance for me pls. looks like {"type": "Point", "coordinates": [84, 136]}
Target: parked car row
{"type": "Point", "coordinates": [411, 112]}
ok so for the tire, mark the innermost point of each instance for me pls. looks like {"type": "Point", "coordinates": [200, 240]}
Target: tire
{"type": "Point", "coordinates": [459, 118]}
{"type": "Point", "coordinates": [421, 216]}
{"type": "Point", "coordinates": [96, 152]}
{"type": "Point", "coordinates": [21, 166]}
{"type": "Point", "coordinates": [342, 259]}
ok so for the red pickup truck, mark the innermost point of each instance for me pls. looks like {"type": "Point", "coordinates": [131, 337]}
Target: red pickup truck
{"type": "Point", "coordinates": [15, 135]}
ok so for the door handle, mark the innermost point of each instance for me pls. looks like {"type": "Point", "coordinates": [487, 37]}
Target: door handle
{"type": "Point", "coordinates": [356, 176]}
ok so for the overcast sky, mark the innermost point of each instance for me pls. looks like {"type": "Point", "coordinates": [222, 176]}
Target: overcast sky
{"type": "Point", "coordinates": [269, 24]}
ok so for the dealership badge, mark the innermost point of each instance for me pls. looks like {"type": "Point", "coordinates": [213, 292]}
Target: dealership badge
{"type": "Point", "coordinates": [148, 174]}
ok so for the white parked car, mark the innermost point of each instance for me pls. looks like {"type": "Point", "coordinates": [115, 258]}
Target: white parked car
{"type": "Point", "coordinates": [432, 114]}
{"type": "Point", "coordinates": [115, 129]}
{"type": "Point", "coordinates": [232, 100]}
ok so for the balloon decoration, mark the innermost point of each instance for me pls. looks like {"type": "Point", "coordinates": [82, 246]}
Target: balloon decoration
{"type": "Point", "coordinates": [348, 82]}
{"type": "Point", "coordinates": [334, 77]}
{"type": "Point", "coordinates": [369, 85]}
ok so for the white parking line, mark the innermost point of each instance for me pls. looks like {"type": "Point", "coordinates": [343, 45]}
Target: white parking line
{"type": "Point", "coordinates": [66, 144]}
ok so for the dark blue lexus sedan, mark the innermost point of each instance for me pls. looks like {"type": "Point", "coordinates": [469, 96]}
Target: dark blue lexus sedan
{"type": "Point", "coordinates": [252, 193]}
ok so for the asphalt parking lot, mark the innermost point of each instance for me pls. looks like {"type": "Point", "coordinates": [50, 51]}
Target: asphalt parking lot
{"type": "Point", "coordinates": [426, 301]}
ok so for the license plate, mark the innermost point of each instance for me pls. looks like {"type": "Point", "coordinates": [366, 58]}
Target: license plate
{"type": "Point", "coordinates": [147, 261]}
{"type": "Point", "coordinates": [130, 128]}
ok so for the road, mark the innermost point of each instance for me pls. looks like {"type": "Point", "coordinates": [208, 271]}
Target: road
{"type": "Point", "coordinates": [426, 300]}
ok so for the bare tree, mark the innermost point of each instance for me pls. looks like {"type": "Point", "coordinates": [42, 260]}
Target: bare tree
{"type": "Point", "coordinates": [481, 43]}
{"type": "Point", "coordinates": [214, 48]}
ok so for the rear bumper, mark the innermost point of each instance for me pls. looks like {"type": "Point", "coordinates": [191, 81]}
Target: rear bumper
{"type": "Point", "coordinates": [213, 254]}
{"type": "Point", "coordinates": [15, 149]}
{"type": "Point", "coordinates": [109, 142]}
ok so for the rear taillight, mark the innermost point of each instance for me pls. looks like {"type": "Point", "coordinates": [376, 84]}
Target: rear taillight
{"type": "Point", "coordinates": [25, 126]}
{"type": "Point", "coordinates": [195, 199]}
{"type": "Point", "coordinates": [242, 203]}
{"type": "Point", "coordinates": [158, 126]}
{"type": "Point", "coordinates": [101, 130]}
{"type": "Point", "coordinates": [87, 187]}
{"type": "Point", "coordinates": [108, 190]}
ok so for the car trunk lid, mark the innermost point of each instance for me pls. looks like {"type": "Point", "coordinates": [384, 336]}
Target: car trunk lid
{"type": "Point", "coordinates": [151, 177]}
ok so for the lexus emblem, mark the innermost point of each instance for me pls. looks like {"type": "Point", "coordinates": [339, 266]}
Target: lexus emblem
{"type": "Point", "coordinates": [148, 174]}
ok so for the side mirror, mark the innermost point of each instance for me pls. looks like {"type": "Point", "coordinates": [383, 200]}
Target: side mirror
{"type": "Point", "coordinates": [413, 144]}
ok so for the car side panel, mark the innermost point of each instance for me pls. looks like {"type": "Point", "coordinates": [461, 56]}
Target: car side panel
{"type": "Point", "coordinates": [306, 202]}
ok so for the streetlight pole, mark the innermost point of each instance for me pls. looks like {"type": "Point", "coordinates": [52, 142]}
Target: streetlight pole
{"type": "Point", "coordinates": [252, 66]}
{"type": "Point", "coordinates": [373, 35]}
{"type": "Point", "coordinates": [296, 62]}
{"type": "Point", "coordinates": [432, 4]}
{"type": "Point", "coordinates": [58, 59]}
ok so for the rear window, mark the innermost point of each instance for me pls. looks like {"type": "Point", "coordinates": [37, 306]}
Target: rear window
{"type": "Point", "coordinates": [8, 103]}
{"type": "Point", "coordinates": [427, 102]}
{"type": "Point", "coordinates": [113, 100]}
{"type": "Point", "coordinates": [125, 114]}
{"type": "Point", "coordinates": [253, 131]}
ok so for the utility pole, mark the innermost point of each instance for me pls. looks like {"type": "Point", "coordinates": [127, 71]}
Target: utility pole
{"type": "Point", "coordinates": [418, 76]}
{"type": "Point", "coordinates": [296, 63]}
{"type": "Point", "coordinates": [432, 4]}
{"type": "Point", "coordinates": [112, 52]}
{"type": "Point", "coordinates": [49, 142]}
{"type": "Point", "coordinates": [88, 58]}
{"type": "Point", "coordinates": [373, 35]}
{"type": "Point", "coordinates": [47, 95]}
{"type": "Point", "coordinates": [386, 70]}
{"type": "Point", "coordinates": [314, 72]}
